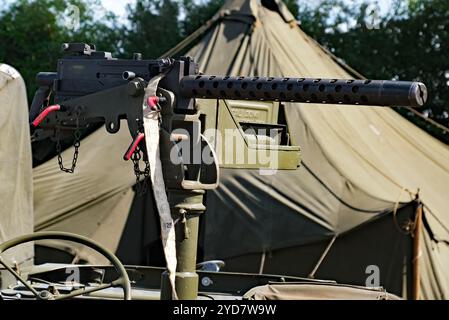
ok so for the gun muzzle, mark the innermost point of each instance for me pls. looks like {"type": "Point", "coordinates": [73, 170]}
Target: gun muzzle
{"type": "Point", "coordinates": [307, 90]}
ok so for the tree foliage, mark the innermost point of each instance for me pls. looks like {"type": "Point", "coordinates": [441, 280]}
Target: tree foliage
{"type": "Point", "coordinates": [197, 13]}
{"type": "Point", "coordinates": [32, 31]}
{"type": "Point", "coordinates": [410, 41]}
{"type": "Point", "coordinates": [153, 27]}
{"type": "Point", "coordinates": [293, 6]}
{"type": "Point", "coordinates": [31, 34]}
{"type": "Point", "coordinates": [407, 43]}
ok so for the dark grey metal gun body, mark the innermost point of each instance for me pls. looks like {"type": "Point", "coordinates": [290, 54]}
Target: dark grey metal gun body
{"type": "Point", "coordinates": [91, 88]}
{"type": "Point", "coordinates": [84, 72]}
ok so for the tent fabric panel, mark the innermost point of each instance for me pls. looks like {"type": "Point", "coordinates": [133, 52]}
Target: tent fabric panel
{"type": "Point", "coordinates": [16, 193]}
{"type": "Point", "coordinates": [375, 243]}
{"type": "Point", "coordinates": [370, 158]}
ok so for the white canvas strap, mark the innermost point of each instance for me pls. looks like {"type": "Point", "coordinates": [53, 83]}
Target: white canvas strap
{"type": "Point", "coordinates": [151, 122]}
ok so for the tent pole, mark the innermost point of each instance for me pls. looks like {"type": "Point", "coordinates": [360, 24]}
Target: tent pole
{"type": "Point", "coordinates": [262, 262]}
{"type": "Point", "coordinates": [318, 264]}
{"type": "Point", "coordinates": [417, 249]}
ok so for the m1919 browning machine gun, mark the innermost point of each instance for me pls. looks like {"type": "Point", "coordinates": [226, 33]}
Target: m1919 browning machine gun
{"type": "Point", "coordinates": [91, 88]}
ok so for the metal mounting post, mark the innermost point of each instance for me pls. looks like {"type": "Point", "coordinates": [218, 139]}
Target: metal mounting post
{"type": "Point", "coordinates": [186, 208]}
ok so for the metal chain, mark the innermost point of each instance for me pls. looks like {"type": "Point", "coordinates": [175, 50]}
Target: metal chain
{"type": "Point", "coordinates": [76, 145]}
{"type": "Point", "coordinates": [141, 186]}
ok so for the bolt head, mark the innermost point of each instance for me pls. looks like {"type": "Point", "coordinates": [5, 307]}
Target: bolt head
{"type": "Point", "coordinates": [206, 281]}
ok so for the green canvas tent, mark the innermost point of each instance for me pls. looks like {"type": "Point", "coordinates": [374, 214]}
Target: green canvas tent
{"type": "Point", "coordinates": [355, 189]}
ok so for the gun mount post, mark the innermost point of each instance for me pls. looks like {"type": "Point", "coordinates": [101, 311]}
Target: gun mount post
{"type": "Point", "coordinates": [185, 183]}
{"type": "Point", "coordinates": [186, 207]}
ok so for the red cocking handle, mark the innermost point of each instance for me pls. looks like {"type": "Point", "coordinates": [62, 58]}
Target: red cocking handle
{"type": "Point", "coordinates": [133, 146]}
{"type": "Point", "coordinates": [45, 113]}
{"type": "Point", "coordinates": [152, 102]}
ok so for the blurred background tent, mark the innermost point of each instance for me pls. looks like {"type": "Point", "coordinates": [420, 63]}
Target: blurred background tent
{"type": "Point", "coordinates": [349, 206]}
{"type": "Point", "coordinates": [16, 182]}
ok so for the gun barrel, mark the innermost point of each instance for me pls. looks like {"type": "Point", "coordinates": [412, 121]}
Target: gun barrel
{"type": "Point", "coordinates": [308, 90]}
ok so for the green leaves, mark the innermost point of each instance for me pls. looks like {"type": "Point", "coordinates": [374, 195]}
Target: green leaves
{"type": "Point", "coordinates": [153, 27]}
{"type": "Point", "coordinates": [31, 33]}
{"type": "Point", "coordinates": [408, 43]}
{"type": "Point", "coordinates": [196, 13]}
